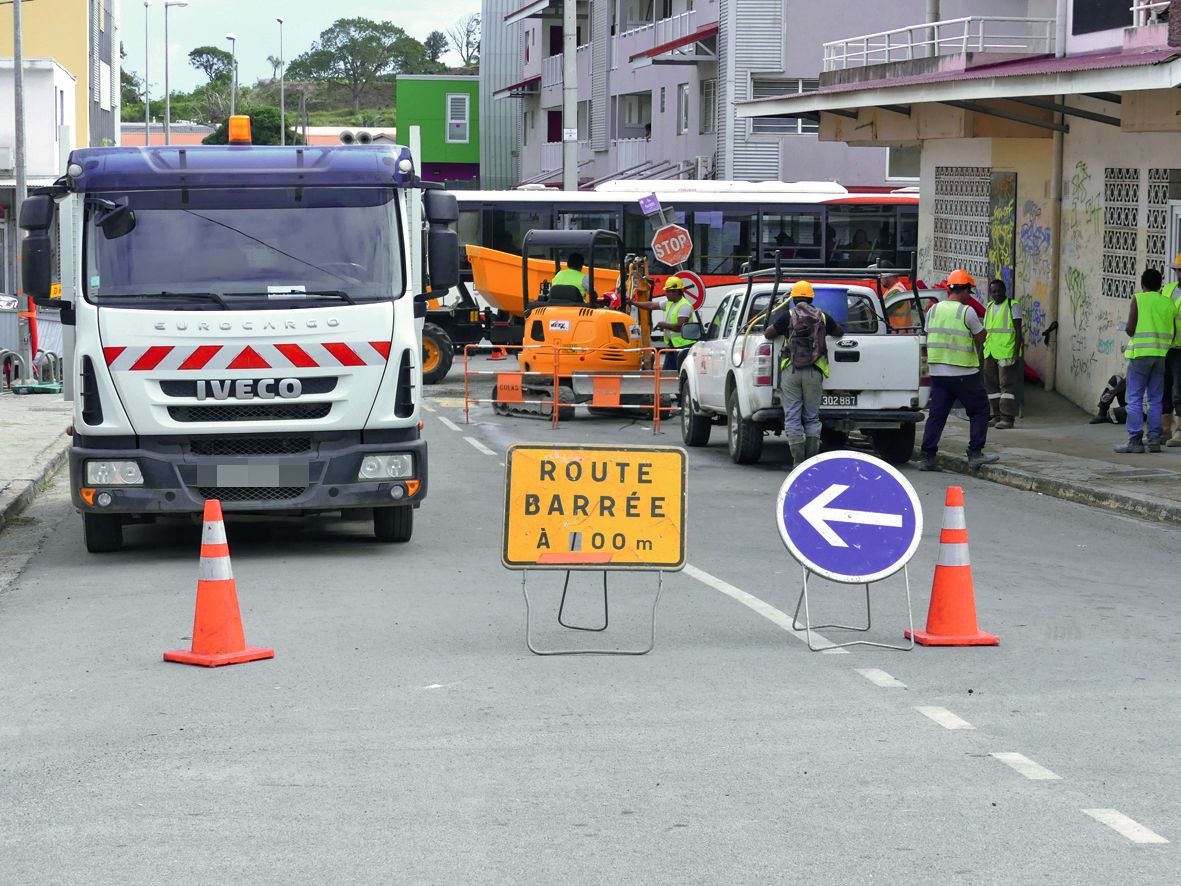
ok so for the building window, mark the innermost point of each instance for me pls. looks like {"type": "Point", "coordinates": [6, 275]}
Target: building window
{"type": "Point", "coordinates": [104, 86]}
{"type": "Point", "coordinates": [525, 129]}
{"type": "Point", "coordinates": [902, 163]}
{"type": "Point", "coordinates": [662, 99]}
{"type": "Point", "coordinates": [682, 108]}
{"type": "Point", "coordinates": [666, 8]}
{"type": "Point", "coordinates": [584, 113]}
{"type": "Point", "coordinates": [457, 118]}
{"type": "Point", "coordinates": [709, 107]}
{"type": "Point", "coordinates": [767, 87]}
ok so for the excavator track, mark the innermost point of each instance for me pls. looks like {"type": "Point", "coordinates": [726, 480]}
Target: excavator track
{"type": "Point", "coordinates": [542, 411]}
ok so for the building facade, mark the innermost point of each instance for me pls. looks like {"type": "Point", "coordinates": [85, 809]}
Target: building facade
{"type": "Point", "coordinates": [446, 108]}
{"type": "Point", "coordinates": [500, 67]}
{"type": "Point", "coordinates": [1050, 158]}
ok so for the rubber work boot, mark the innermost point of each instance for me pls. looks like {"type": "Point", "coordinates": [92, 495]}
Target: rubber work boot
{"type": "Point", "coordinates": [1175, 440]}
{"type": "Point", "coordinates": [797, 452]}
{"type": "Point", "coordinates": [1153, 444]}
{"type": "Point", "coordinates": [978, 459]}
{"type": "Point", "coordinates": [1004, 424]}
{"type": "Point", "coordinates": [927, 463]}
{"type": "Point", "coordinates": [811, 446]}
{"type": "Point", "coordinates": [1134, 444]}
{"type": "Point", "coordinates": [1101, 419]}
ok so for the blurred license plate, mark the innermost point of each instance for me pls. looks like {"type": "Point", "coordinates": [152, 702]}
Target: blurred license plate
{"type": "Point", "coordinates": [839, 400]}
{"type": "Point", "coordinates": [264, 475]}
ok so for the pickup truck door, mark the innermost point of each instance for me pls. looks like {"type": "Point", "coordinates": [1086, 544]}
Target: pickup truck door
{"type": "Point", "coordinates": [870, 369]}
{"type": "Point", "coordinates": [714, 353]}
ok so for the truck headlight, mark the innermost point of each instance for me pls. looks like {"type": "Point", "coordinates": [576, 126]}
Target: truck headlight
{"type": "Point", "coordinates": [113, 473]}
{"type": "Point", "coordinates": [394, 466]}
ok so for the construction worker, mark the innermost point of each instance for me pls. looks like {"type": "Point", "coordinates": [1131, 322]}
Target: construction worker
{"type": "Point", "coordinates": [572, 274]}
{"type": "Point", "coordinates": [891, 283]}
{"type": "Point", "coordinates": [1171, 406]}
{"type": "Point", "coordinates": [1152, 327]}
{"type": "Point", "coordinates": [953, 331]}
{"type": "Point", "coordinates": [803, 367]}
{"type": "Point", "coordinates": [678, 310]}
{"type": "Point", "coordinates": [1002, 354]}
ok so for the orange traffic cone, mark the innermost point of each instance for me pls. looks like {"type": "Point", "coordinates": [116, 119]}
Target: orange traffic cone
{"type": "Point", "coordinates": [217, 626]}
{"type": "Point", "coordinates": [498, 354]}
{"type": "Point", "coordinates": [951, 618]}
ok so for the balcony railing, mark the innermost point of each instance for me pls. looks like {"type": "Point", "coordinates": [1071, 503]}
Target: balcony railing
{"type": "Point", "coordinates": [630, 152]}
{"type": "Point", "coordinates": [1000, 34]}
{"type": "Point", "coordinates": [551, 68]}
{"type": "Point", "coordinates": [1148, 12]}
{"type": "Point", "coordinates": [551, 156]}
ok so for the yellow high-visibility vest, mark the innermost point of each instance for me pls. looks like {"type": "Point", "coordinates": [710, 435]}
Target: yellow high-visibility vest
{"type": "Point", "coordinates": [948, 339]}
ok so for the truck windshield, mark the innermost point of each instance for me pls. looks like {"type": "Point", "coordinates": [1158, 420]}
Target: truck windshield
{"type": "Point", "coordinates": [246, 248]}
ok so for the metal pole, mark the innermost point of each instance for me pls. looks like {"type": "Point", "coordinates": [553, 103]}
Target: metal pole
{"type": "Point", "coordinates": [282, 90]}
{"type": "Point", "coordinates": [147, 100]}
{"type": "Point", "coordinates": [233, 72]}
{"type": "Point", "coordinates": [569, 95]}
{"type": "Point", "coordinates": [167, 88]}
{"type": "Point", "coordinates": [933, 17]}
{"type": "Point", "coordinates": [18, 81]}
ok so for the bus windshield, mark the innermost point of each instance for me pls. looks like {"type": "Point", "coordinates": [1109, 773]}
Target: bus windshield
{"type": "Point", "coordinates": [244, 248]}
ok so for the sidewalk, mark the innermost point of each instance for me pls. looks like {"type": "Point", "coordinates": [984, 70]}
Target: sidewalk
{"type": "Point", "coordinates": [1054, 451]}
{"type": "Point", "coordinates": [33, 446]}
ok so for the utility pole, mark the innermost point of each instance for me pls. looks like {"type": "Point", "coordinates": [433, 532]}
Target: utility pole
{"type": "Point", "coordinates": [233, 38]}
{"type": "Point", "coordinates": [569, 95]}
{"type": "Point", "coordinates": [147, 100]}
{"type": "Point", "coordinates": [282, 89]}
{"type": "Point", "coordinates": [25, 305]}
{"type": "Point", "coordinates": [168, 4]}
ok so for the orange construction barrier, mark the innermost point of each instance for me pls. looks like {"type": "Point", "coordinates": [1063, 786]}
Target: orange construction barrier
{"type": "Point", "coordinates": [218, 638]}
{"type": "Point", "coordinates": [951, 618]}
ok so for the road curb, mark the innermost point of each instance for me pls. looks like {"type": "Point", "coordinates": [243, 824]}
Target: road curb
{"type": "Point", "coordinates": [1147, 507]}
{"type": "Point", "coordinates": [20, 493]}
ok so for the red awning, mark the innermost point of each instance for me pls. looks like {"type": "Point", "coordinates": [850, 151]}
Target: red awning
{"type": "Point", "coordinates": [518, 88]}
{"type": "Point", "coordinates": [700, 34]}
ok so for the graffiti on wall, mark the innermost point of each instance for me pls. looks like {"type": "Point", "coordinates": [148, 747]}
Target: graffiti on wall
{"type": "Point", "coordinates": [1002, 233]}
{"type": "Point", "coordinates": [1035, 245]}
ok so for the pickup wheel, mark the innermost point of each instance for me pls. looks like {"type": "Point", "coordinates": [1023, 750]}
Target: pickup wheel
{"type": "Point", "coordinates": [103, 533]}
{"type": "Point", "coordinates": [438, 352]}
{"type": "Point", "coordinates": [393, 524]}
{"type": "Point", "coordinates": [895, 445]}
{"type": "Point", "coordinates": [695, 428]}
{"type": "Point", "coordinates": [745, 437]}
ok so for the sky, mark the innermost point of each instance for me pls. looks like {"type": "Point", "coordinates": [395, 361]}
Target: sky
{"type": "Point", "coordinates": [206, 22]}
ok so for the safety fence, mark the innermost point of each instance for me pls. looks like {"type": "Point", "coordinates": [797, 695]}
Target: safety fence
{"type": "Point", "coordinates": [604, 389]}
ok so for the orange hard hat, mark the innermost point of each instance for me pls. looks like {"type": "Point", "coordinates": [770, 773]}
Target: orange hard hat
{"type": "Point", "coordinates": [960, 277]}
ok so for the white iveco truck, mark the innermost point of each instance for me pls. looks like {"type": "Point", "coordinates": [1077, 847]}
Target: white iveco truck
{"type": "Point", "coordinates": [241, 324]}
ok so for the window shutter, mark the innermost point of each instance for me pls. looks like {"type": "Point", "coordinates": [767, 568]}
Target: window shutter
{"type": "Point", "coordinates": [457, 119]}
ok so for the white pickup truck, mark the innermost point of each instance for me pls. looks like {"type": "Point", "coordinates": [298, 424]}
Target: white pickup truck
{"type": "Point", "coordinates": [877, 385]}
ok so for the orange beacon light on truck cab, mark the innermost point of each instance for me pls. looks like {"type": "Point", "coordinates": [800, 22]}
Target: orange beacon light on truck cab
{"type": "Point", "coordinates": [239, 128]}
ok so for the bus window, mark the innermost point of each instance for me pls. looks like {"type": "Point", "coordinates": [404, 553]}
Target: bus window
{"type": "Point", "coordinates": [511, 222]}
{"type": "Point", "coordinates": [722, 240]}
{"type": "Point", "coordinates": [860, 235]}
{"type": "Point", "coordinates": [908, 236]}
{"type": "Point", "coordinates": [587, 220]}
{"type": "Point", "coordinates": [796, 236]}
{"type": "Point", "coordinates": [638, 231]}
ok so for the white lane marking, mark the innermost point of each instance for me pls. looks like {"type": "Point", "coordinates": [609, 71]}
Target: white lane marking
{"type": "Point", "coordinates": [878, 677]}
{"type": "Point", "coordinates": [448, 422]}
{"type": "Point", "coordinates": [766, 610]}
{"type": "Point", "coordinates": [428, 407]}
{"type": "Point", "coordinates": [479, 447]}
{"type": "Point", "coordinates": [441, 685]}
{"type": "Point", "coordinates": [1027, 767]}
{"type": "Point", "coordinates": [1125, 826]}
{"type": "Point", "coordinates": [944, 717]}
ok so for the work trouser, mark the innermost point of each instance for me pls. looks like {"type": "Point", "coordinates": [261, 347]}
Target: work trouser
{"type": "Point", "coordinates": [802, 390]}
{"type": "Point", "coordinates": [674, 359]}
{"type": "Point", "coordinates": [1146, 385]}
{"type": "Point", "coordinates": [945, 390]}
{"type": "Point", "coordinates": [1171, 402]}
{"type": "Point", "coordinates": [1001, 384]}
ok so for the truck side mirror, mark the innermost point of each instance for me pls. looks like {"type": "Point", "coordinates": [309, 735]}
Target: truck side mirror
{"type": "Point", "coordinates": [442, 258]}
{"type": "Point", "coordinates": [36, 220]}
{"type": "Point", "coordinates": [691, 331]}
{"type": "Point", "coordinates": [440, 207]}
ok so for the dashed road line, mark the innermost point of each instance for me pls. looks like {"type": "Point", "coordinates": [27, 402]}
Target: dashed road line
{"type": "Point", "coordinates": [479, 447]}
{"type": "Point", "coordinates": [428, 407]}
{"type": "Point", "coordinates": [766, 610]}
{"type": "Point", "coordinates": [448, 422]}
{"type": "Point", "coordinates": [944, 717]}
{"type": "Point", "coordinates": [1027, 767]}
{"type": "Point", "coordinates": [878, 677]}
{"type": "Point", "coordinates": [1125, 826]}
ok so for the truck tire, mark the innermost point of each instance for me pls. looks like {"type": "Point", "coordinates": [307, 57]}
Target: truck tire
{"type": "Point", "coordinates": [438, 353]}
{"type": "Point", "coordinates": [103, 532]}
{"type": "Point", "coordinates": [895, 445]}
{"type": "Point", "coordinates": [695, 427]}
{"type": "Point", "coordinates": [393, 524]}
{"type": "Point", "coordinates": [745, 437]}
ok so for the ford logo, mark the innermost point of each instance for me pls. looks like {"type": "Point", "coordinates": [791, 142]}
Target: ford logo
{"type": "Point", "coordinates": [847, 343]}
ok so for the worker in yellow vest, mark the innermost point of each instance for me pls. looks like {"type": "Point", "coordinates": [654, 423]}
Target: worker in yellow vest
{"type": "Point", "coordinates": [953, 331]}
{"type": "Point", "coordinates": [1171, 405]}
{"type": "Point", "coordinates": [572, 274]}
{"type": "Point", "coordinates": [678, 310]}
{"type": "Point", "coordinates": [1002, 354]}
{"type": "Point", "coordinates": [1152, 326]}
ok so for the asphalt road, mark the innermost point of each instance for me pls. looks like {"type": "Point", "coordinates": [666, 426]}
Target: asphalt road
{"type": "Point", "coordinates": [403, 733]}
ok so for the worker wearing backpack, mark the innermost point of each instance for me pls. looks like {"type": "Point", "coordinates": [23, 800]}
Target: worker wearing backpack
{"type": "Point", "coordinates": [803, 367]}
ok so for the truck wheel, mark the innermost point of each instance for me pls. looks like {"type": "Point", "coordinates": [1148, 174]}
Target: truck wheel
{"type": "Point", "coordinates": [393, 524]}
{"type": "Point", "coordinates": [103, 532]}
{"type": "Point", "coordinates": [744, 436]}
{"type": "Point", "coordinates": [895, 445]}
{"type": "Point", "coordinates": [695, 428]}
{"type": "Point", "coordinates": [833, 439]}
{"type": "Point", "coordinates": [438, 352]}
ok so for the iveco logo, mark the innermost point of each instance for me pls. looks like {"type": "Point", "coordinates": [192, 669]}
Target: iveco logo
{"type": "Point", "coordinates": [249, 388]}
{"type": "Point", "coordinates": [245, 325]}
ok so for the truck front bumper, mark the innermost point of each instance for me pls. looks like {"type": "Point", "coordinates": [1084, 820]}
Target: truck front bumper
{"type": "Point", "coordinates": [299, 473]}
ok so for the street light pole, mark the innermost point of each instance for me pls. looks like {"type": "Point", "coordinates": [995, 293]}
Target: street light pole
{"type": "Point", "coordinates": [282, 89]}
{"type": "Point", "coordinates": [147, 100]}
{"type": "Point", "coordinates": [18, 81]}
{"type": "Point", "coordinates": [168, 4]}
{"type": "Point", "coordinates": [233, 38]}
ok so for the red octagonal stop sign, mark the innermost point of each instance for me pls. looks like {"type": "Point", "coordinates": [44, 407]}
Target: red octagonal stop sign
{"type": "Point", "coordinates": [672, 245]}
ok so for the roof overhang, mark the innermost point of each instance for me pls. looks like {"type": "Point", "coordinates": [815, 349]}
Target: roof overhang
{"type": "Point", "coordinates": [669, 53]}
{"type": "Point", "coordinates": [536, 7]}
{"type": "Point", "coordinates": [528, 86]}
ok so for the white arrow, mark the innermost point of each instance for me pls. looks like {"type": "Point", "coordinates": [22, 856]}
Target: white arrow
{"type": "Point", "coordinates": [819, 516]}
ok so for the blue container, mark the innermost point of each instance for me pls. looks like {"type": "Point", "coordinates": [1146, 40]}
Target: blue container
{"type": "Point", "coordinates": [833, 300]}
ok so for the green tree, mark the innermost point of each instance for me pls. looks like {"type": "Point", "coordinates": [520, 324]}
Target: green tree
{"type": "Point", "coordinates": [264, 130]}
{"type": "Point", "coordinates": [465, 39]}
{"type": "Point", "coordinates": [356, 52]}
{"type": "Point", "coordinates": [435, 45]}
{"type": "Point", "coordinates": [216, 63]}
{"type": "Point", "coordinates": [276, 64]}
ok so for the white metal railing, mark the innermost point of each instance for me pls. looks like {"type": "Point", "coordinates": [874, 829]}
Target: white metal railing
{"type": "Point", "coordinates": [630, 152]}
{"type": "Point", "coordinates": [551, 71]}
{"type": "Point", "coordinates": [551, 156]}
{"type": "Point", "coordinates": [1147, 12]}
{"type": "Point", "coordinates": [974, 33]}
{"type": "Point", "coordinates": [674, 27]}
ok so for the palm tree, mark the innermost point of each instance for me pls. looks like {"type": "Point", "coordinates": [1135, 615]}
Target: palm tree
{"type": "Point", "coordinates": [276, 63]}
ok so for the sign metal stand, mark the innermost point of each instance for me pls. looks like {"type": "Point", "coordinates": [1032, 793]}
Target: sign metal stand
{"type": "Point", "coordinates": [595, 630]}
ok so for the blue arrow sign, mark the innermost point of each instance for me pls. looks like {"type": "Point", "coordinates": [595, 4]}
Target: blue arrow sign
{"type": "Point", "coordinates": [849, 517]}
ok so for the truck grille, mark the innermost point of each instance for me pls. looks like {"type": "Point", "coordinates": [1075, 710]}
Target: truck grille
{"type": "Point", "coordinates": [251, 493]}
{"type": "Point", "coordinates": [250, 445]}
{"type": "Point", "coordinates": [252, 412]}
